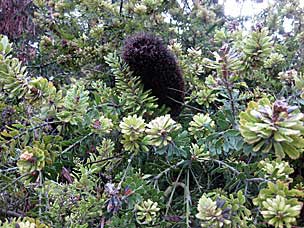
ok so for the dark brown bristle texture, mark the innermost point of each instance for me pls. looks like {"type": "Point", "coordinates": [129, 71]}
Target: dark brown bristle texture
{"type": "Point", "coordinates": [158, 69]}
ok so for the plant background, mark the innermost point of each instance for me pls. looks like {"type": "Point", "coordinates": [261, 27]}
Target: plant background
{"type": "Point", "coordinates": [82, 144]}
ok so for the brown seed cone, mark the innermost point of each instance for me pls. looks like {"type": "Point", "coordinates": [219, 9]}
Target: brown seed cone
{"type": "Point", "coordinates": [158, 69]}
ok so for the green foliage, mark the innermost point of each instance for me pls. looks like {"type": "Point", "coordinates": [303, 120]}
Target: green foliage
{"type": "Point", "coordinates": [84, 144]}
{"type": "Point", "coordinates": [14, 77]}
{"type": "Point", "coordinates": [128, 87]}
{"type": "Point", "coordinates": [216, 210]}
{"type": "Point", "coordinates": [201, 126]}
{"type": "Point", "coordinates": [275, 170]}
{"type": "Point", "coordinates": [75, 105]}
{"type": "Point", "coordinates": [72, 205]}
{"type": "Point", "coordinates": [257, 47]}
{"type": "Point", "coordinates": [278, 188]}
{"type": "Point", "coordinates": [35, 158]}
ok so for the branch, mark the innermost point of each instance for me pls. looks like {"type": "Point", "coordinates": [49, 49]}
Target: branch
{"type": "Point", "coordinates": [8, 170]}
{"type": "Point", "coordinates": [186, 105]}
{"type": "Point", "coordinates": [31, 129]}
{"type": "Point", "coordinates": [105, 159]}
{"type": "Point", "coordinates": [125, 173]}
{"type": "Point", "coordinates": [235, 170]}
{"type": "Point", "coordinates": [169, 168]}
{"type": "Point", "coordinates": [223, 164]}
{"type": "Point", "coordinates": [120, 8]}
{"type": "Point", "coordinates": [42, 65]}
{"type": "Point", "coordinates": [257, 180]}
{"type": "Point", "coordinates": [14, 181]}
{"type": "Point", "coordinates": [10, 213]}
{"type": "Point", "coordinates": [75, 143]}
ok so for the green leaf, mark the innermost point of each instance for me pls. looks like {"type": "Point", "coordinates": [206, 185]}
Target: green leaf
{"type": "Point", "coordinates": [279, 151]}
{"type": "Point", "coordinates": [291, 151]}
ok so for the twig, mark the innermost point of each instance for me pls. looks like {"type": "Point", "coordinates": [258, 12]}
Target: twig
{"type": "Point", "coordinates": [8, 170]}
{"type": "Point", "coordinates": [169, 168]}
{"type": "Point", "coordinates": [186, 105]}
{"type": "Point", "coordinates": [10, 213]}
{"type": "Point", "coordinates": [31, 129]}
{"type": "Point", "coordinates": [229, 90]}
{"type": "Point", "coordinates": [120, 8]}
{"type": "Point", "coordinates": [105, 159]}
{"type": "Point", "coordinates": [14, 181]}
{"type": "Point", "coordinates": [42, 65]}
{"type": "Point", "coordinates": [188, 199]}
{"type": "Point", "coordinates": [196, 181]}
{"type": "Point", "coordinates": [40, 193]}
{"type": "Point", "coordinates": [172, 193]}
{"type": "Point", "coordinates": [75, 143]}
{"type": "Point", "coordinates": [257, 180]}
{"type": "Point", "coordinates": [223, 164]}
{"type": "Point", "coordinates": [178, 90]}
{"type": "Point", "coordinates": [235, 170]}
{"type": "Point", "coordinates": [126, 170]}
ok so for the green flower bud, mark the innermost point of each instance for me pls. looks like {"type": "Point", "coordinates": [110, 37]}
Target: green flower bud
{"type": "Point", "coordinates": [198, 152]}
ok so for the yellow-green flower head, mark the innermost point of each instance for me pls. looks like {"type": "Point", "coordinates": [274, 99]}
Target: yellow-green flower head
{"type": "Point", "coordinates": [257, 47]}
{"type": "Point", "coordinates": [194, 53]}
{"type": "Point", "coordinates": [276, 127]}
{"type": "Point", "coordinates": [160, 129]}
{"type": "Point", "coordinates": [204, 96]}
{"type": "Point", "coordinates": [175, 47]}
{"type": "Point", "coordinates": [299, 81]}
{"type": "Point", "coordinates": [207, 208]}
{"type": "Point", "coordinates": [210, 213]}
{"type": "Point", "coordinates": [152, 4]}
{"type": "Point", "coordinates": [201, 125]}
{"type": "Point", "coordinates": [102, 126]}
{"type": "Point", "coordinates": [274, 60]}
{"type": "Point", "coordinates": [26, 224]}
{"type": "Point", "coordinates": [133, 126]}
{"type": "Point", "coordinates": [147, 211]}
{"type": "Point", "coordinates": [133, 129]}
{"type": "Point", "coordinates": [276, 169]}
{"type": "Point", "coordinates": [140, 9]}
{"type": "Point", "coordinates": [198, 152]}
{"type": "Point", "coordinates": [31, 159]}
{"type": "Point", "coordinates": [220, 35]}
{"type": "Point", "coordinates": [279, 213]}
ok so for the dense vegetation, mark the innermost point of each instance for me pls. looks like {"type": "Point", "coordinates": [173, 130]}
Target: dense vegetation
{"type": "Point", "coordinates": [84, 143]}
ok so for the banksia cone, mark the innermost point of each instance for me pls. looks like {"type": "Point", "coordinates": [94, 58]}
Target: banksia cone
{"type": "Point", "coordinates": [156, 65]}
